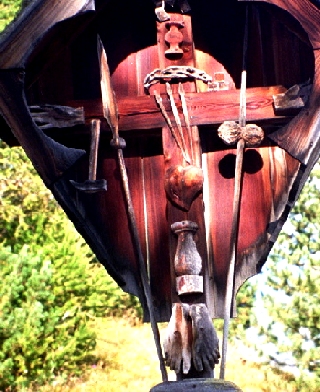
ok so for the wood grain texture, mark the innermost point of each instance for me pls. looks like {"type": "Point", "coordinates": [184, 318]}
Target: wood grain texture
{"type": "Point", "coordinates": [61, 67]}
{"type": "Point", "coordinates": [55, 116]}
{"type": "Point", "coordinates": [173, 157]}
{"type": "Point", "coordinates": [142, 112]}
{"type": "Point", "coordinates": [257, 207]}
{"type": "Point", "coordinates": [300, 136]}
{"type": "Point", "coordinates": [32, 24]}
{"type": "Point", "coordinates": [257, 210]}
{"type": "Point", "coordinates": [158, 235]}
{"type": "Point", "coordinates": [110, 213]}
{"type": "Point", "coordinates": [128, 82]}
{"type": "Point", "coordinates": [54, 158]}
{"type": "Point", "coordinates": [305, 12]}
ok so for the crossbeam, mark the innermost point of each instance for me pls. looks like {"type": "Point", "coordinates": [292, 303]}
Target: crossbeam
{"type": "Point", "coordinates": [209, 108]}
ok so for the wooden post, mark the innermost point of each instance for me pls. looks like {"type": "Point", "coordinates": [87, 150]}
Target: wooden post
{"type": "Point", "coordinates": [191, 345]}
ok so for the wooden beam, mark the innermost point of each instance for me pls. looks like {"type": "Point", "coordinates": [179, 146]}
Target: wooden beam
{"type": "Point", "coordinates": [213, 107]}
{"type": "Point", "coordinates": [56, 116]}
{"type": "Point", "coordinates": [23, 34]}
{"type": "Point", "coordinates": [49, 158]}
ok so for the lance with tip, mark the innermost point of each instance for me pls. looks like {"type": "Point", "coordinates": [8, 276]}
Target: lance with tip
{"type": "Point", "coordinates": [110, 111]}
{"type": "Point", "coordinates": [228, 304]}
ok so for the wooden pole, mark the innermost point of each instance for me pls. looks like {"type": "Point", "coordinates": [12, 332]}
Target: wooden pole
{"type": "Point", "coordinates": [110, 110]}
{"type": "Point", "coordinates": [228, 305]}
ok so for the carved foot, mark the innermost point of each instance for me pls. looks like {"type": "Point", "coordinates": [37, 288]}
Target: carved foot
{"type": "Point", "coordinates": [177, 346]}
{"type": "Point", "coordinates": [205, 345]}
{"type": "Point", "coordinates": [191, 334]}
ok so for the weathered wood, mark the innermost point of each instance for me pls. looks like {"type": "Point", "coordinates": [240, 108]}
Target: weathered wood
{"type": "Point", "coordinates": [158, 233]}
{"type": "Point", "coordinates": [187, 257]}
{"type": "Point", "coordinates": [22, 35]}
{"type": "Point", "coordinates": [92, 185]}
{"type": "Point", "coordinates": [173, 155]}
{"type": "Point", "coordinates": [109, 103]}
{"type": "Point", "coordinates": [300, 137]}
{"type": "Point", "coordinates": [142, 112]}
{"type": "Point", "coordinates": [305, 12]}
{"type": "Point", "coordinates": [56, 116]}
{"type": "Point", "coordinates": [152, 212]}
{"type": "Point", "coordinates": [293, 100]}
{"type": "Point", "coordinates": [205, 343]}
{"type": "Point", "coordinates": [183, 184]}
{"type": "Point", "coordinates": [264, 168]}
{"type": "Point", "coordinates": [177, 344]}
{"type": "Point", "coordinates": [187, 261]}
{"type": "Point", "coordinates": [191, 339]}
{"type": "Point", "coordinates": [133, 54]}
{"type": "Point", "coordinates": [50, 159]}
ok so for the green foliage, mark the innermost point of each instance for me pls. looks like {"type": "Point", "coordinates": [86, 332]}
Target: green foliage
{"type": "Point", "coordinates": [246, 318]}
{"type": "Point", "coordinates": [8, 11]}
{"type": "Point", "coordinates": [51, 283]}
{"type": "Point", "coordinates": [245, 303]}
{"type": "Point", "coordinates": [293, 275]}
{"type": "Point", "coordinates": [27, 208]}
{"type": "Point", "coordinates": [43, 329]}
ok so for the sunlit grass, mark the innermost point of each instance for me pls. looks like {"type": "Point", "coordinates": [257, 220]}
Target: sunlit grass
{"type": "Point", "coordinates": [128, 363]}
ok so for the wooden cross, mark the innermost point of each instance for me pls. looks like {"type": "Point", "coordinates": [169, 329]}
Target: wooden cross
{"type": "Point", "coordinates": [142, 112]}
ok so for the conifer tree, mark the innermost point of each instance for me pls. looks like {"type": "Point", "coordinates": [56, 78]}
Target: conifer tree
{"type": "Point", "coordinates": [292, 293]}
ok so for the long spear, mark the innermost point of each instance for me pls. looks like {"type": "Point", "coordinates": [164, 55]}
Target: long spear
{"type": "Point", "coordinates": [228, 304]}
{"type": "Point", "coordinates": [110, 112]}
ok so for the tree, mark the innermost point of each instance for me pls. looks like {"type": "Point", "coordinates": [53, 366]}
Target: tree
{"type": "Point", "coordinates": [8, 11]}
{"type": "Point", "coordinates": [51, 283]}
{"type": "Point", "coordinates": [292, 293]}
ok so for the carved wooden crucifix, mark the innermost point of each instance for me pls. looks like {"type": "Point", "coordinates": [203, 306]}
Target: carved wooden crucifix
{"type": "Point", "coordinates": [191, 345]}
{"type": "Point", "coordinates": [172, 206]}
{"type": "Point", "coordinates": [179, 101]}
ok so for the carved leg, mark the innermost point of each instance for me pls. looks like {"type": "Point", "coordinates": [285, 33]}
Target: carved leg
{"type": "Point", "coordinates": [192, 346]}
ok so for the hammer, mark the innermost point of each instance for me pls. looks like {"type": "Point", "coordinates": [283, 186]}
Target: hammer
{"type": "Point", "coordinates": [92, 185]}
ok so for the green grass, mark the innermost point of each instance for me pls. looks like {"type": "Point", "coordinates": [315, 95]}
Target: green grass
{"type": "Point", "coordinates": [128, 363]}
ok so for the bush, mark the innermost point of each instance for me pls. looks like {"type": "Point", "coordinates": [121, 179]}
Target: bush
{"type": "Point", "coordinates": [8, 11]}
{"type": "Point", "coordinates": [50, 283]}
{"type": "Point", "coordinates": [44, 309]}
{"type": "Point", "coordinates": [43, 329]}
{"type": "Point", "coordinates": [27, 208]}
